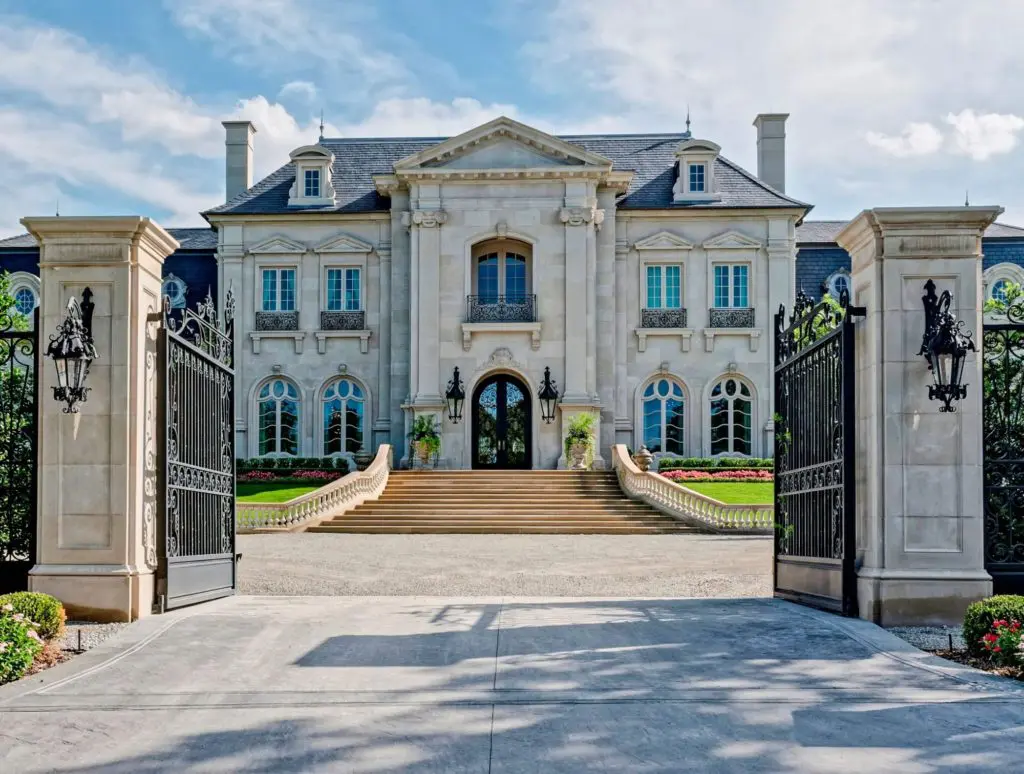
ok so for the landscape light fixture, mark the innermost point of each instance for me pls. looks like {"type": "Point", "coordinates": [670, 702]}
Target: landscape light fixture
{"type": "Point", "coordinates": [945, 346]}
{"type": "Point", "coordinates": [548, 396]}
{"type": "Point", "coordinates": [455, 396]}
{"type": "Point", "coordinates": [73, 351]}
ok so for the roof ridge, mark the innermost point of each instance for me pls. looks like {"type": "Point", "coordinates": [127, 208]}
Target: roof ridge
{"type": "Point", "coordinates": [607, 136]}
{"type": "Point", "coordinates": [758, 181]}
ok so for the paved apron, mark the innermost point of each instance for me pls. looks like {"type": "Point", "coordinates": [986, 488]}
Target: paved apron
{"type": "Point", "coordinates": [426, 684]}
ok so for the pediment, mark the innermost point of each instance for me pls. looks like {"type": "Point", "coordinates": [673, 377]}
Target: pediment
{"type": "Point", "coordinates": [311, 152]}
{"type": "Point", "coordinates": [278, 245]}
{"type": "Point", "coordinates": [663, 240]}
{"type": "Point", "coordinates": [343, 243]}
{"type": "Point", "coordinates": [502, 141]}
{"type": "Point", "coordinates": [731, 240]}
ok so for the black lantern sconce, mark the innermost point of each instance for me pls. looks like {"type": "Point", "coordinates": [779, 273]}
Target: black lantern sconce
{"type": "Point", "coordinates": [945, 346]}
{"type": "Point", "coordinates": [73, 351]}
{"type": "Point", "coordinates": [548, 397]}
{"type": "Point", "coordinates": [455, 396]}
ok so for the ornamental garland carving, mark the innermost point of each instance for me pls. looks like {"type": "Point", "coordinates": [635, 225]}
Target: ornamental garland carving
{"type": "Point", "coordinates": [579, 216]}
{"type": "Point", "coordinates": [429, 218]}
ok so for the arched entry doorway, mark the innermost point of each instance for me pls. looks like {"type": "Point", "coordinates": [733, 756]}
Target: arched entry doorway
{"type": "Point", "coordinates": [502, 415]}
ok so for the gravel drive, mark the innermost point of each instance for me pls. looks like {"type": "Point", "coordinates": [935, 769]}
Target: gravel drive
{"type": "Point", "coordinates": [92, 634]}
{"type": "Point", "coordinates": [930, 637]}
{"type": "Point", "coordinates": [691, 565]}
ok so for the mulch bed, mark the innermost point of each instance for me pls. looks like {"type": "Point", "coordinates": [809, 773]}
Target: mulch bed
{"type": "Point", "coordinates": [965, 658]}
{"type": "Point", "coordinates": [49, 656]}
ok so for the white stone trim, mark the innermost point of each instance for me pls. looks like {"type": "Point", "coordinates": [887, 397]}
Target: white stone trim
{"type": "Point", "coordinates": [343, 243]}
{"type": "Point", "coordinates": [363, 336]}
{"type": "Point", "coordinates": [277, 245]}
{"type": "Point", "coordinates": [663, 240]}
{"type": "Point", "coordinates": [1001, 271]}
{"type": "Point", "coordinates": [732, 240]}
{"type": "Point", "coordinates": [685, 336]}
{"type": "Point", "coordinates": [297, 336]}
{"type": "Point", "coordinates": [696, 152]}
{"type": "Point", "coordinates": [533, 328]}
{"type": "Point", "coordinates": [754, 335]}
{"type": "Point", "coordinates": [311, 157]}
{"type": "Point", "coordinates": [638, 414]}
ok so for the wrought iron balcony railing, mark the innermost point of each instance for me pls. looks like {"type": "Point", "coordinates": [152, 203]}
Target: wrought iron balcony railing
{"type": "Point", "coordinates": [663, 318]}
{"type": "Point", "coordinates": [277, 321]}
{"type": "Point", "coordinates": [343, 321]}
{"type": "Point", "coordinates": [501, 308]}
{"type": "Point", "coordinates": [731, 318]}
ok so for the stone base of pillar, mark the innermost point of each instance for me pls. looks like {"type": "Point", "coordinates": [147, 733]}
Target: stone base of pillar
{"type": "Point", "coordinates": [919, 597]}
{"type": "Point", "coordinates": [97, 592]}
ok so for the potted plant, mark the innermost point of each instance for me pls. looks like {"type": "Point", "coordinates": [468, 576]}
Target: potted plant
{"type": "Point", "coordinates": [425, 437]}
{"type": "Point", "coordinates": [579, 440]}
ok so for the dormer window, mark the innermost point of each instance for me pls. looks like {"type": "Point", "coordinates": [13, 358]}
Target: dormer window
{"type": "Point", "coordinates": [697, 177]}
{"type": "Point", "coordinates": [695, 183]}
{"type": "Point", "coordinates": [312, 183]}
{"type": "Point", "coordinates": [312, 186]}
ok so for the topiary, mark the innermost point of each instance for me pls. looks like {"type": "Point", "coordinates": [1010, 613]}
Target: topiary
{"type": "Point", "coordinates": [43, 610]}
{"type": "Point", "coordinates": [980, 615]}
{"type": "Point", "coordinates": [19, 644]}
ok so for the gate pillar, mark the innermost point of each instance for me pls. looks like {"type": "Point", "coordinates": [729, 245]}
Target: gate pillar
{"type": "Point", "coordinates": [920, 531]}
{"type": "Point", "coordinates": [97, 468]}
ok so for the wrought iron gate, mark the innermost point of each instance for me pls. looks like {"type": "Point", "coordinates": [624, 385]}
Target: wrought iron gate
{"type": "Point", "coordinates": [814, 455]}
{"type": "Point", "coordinates": [196, 549]}
{"type": "Point", "coordinates": [19, 424]}
{"type": "Point", "coordinates": [1003, 428]}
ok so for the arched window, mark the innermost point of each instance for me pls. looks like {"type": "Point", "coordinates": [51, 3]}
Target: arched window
{"type": "Point", "coordinates": [24, 289]}
{"type": "Point", "coordinates": [998, 280]}
{"type": "Point", "coordinates": [343, 417]}
{"type": "Point", "coordinates": [732, 417]}
{"type": "Point", "coordinates": [664, 412]}
{"type": "Point", "coordinates": [998, 292]}
{"type": "Point", "coordinates": [501, 270]}
{"type": "Point", "coordinates": [837, 283]}
{"type": "Point", "coordinates": [24, 301]}
{"type": "Point", "coordinates": [278, 406]}
{"type": "Point", "coordinates": [175, 290]}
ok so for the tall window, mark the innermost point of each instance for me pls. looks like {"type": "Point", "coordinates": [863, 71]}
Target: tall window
{"type": "Point", "coordinates": [664, 415]}
{"type": "Point", "coordinates": [731, 417]}
{"type": "Point", "coordinates": [343, 409]}
{"type": "Point", "coordinates": [732, 285]}
{"type": "Point", "coordinates": [279, 290]}
{"type": "Point", "coordinates": [487, 277]}
{"type": "Point", "coordinates": [697, 173]}
{"type": "Point", "coordinates": [343, 290]}
{"type": "Point", "coordinates": [278, 405]}
{"type": "Point", "coordinates": [500, 268]}
{"type": "Point", "coordinates": [312, 183]}
{"type": "Point", "coordinates": [664, 287]}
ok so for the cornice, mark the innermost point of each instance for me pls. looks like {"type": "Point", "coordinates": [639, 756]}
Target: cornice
{"type": "Point", "coordinates": [529, 173]}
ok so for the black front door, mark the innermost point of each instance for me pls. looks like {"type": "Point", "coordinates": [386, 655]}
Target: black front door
{"type": "Point", "coordinates": [501, 423]}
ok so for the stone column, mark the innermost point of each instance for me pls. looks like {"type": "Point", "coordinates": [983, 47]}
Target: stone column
{"type": "Point", "coordinates": [97, 469]}
{"type": "Point", "coordinates": [623, 424]}
{"type": "Point", "coordinates": [399, 357]}
{"type": "Point", "coordinates": [427, 302]}
{"type": "Point", "coordinates": [920, 530]}
{"type": "Point", "coordinates": [230, 266]}
{"type": "Point", "coordinates": [605, 319]}
{"type": "Point", "coordinates": [382, 426]}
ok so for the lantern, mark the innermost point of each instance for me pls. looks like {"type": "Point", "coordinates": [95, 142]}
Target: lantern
{"type": "Point", "coordinates": [945, 346]}
{"type": "Point", "coordinates": [455, 396]}
{"type": "Point", "coordinates": [548, 397]}
{"type": "Point", "coordinates": [73, 351]}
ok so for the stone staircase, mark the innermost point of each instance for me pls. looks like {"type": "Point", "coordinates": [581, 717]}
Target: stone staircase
{"type": "Point", "coordinates": [506, 501]}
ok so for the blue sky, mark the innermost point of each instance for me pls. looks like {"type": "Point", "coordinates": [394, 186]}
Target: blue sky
{"type": "Point", "coordinates": [114, 106]}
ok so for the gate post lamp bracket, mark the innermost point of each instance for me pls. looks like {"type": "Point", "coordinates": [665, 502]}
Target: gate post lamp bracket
{"type": "Point", "coordinates": [73, 351]}
{"type": "Point", "coordinates": [945, 346]}
{"type": "Point", "coordinates": [548, 397]}
{"type": "Point", "coordinates": [455, 397]}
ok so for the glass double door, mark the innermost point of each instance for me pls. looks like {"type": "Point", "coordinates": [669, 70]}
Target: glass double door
{"type": "Point", "coordinates": [501, 423]}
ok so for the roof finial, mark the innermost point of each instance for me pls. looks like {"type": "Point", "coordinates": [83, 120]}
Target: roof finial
{"type": "Point", "coordinates": [58, 207]}
{"type": "Point", "coordinates": [321, 125]}
{"type": "Point", "coordinates": [687, 120]}
{"type": "Point", "coordinates": [967, 198]}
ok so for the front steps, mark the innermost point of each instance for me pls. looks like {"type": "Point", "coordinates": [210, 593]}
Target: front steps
{"type": "Point", "coordinates": [549, 502]}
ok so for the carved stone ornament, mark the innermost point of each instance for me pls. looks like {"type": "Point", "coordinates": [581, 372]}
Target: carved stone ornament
{"type": "Point", "coordinates": [429, 218]}
{"type": "Point", "coordinates": [501, 229]}
{"type": "Point", "coordinates": [501, 358]}
{"type": "Point", "coordinates": [578, 216]}
{"type": "Point", "coordinates": [149, 483]}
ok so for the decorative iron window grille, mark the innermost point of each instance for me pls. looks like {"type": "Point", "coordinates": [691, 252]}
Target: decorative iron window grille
{"type": "Point", "coordinates": [502, 308]}
{"type": "Point", "coordinates": [277, 321]}
{"type": "Point", "coordinates": [662, 318]}
{"type": "Point", "coordinates": [342, 321]}
{"type": "Point", "coordinates": [731, 318]}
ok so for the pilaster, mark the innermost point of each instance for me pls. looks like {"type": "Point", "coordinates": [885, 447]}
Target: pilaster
{"type": "Point", "coordinates": [382, 426]}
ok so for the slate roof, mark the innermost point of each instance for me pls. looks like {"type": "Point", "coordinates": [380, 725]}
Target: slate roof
{"type": "Point", "coordinates": [650, 156]}
{"type": "Point", "coordinates": [189, 238]}
{"type": "Point", "coordinates": [825, 231]}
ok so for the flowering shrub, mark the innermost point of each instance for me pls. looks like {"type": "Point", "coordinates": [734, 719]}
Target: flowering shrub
{"type": "Point", "coordinates": [291, 475]}
{"type": "Point", "coordinates": [257, 475]}
{"type": "Point", "coordinates": [317, 475]}
{"type": "Point", "coordinates": [981, 615]}
{"type": "Point", "coordinates": [45, 611]}
{"type": "Point", "coordinates": [1003, 643]}
{"type": "Point", "coordinates": [19, 644]}
{"type": "Point", "coordinates": [724, 475]}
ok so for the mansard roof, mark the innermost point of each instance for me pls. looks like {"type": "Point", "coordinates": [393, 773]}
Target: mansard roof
{"type": "Point", "coordinates": [650, 157]}
{"type": "Point", "coordinates": [188, 238]}
{"type": "Point", "coordinates": [823, 232]}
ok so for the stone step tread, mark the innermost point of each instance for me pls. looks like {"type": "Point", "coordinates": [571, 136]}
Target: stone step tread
{"type": "Point", "coordinates": [490, 516]}
{"type": "Point", "coordinates": [490, 530]}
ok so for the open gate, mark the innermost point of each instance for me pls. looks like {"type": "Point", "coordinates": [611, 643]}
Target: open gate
{"type": "Point", "coordinates": [196, 556]}
{"type": "Point", "coordinates": [19, 424]}
{"type": "Point", "coordinates": [1003, 429]}
{"type": "Point", "coordinates": [815, 543]}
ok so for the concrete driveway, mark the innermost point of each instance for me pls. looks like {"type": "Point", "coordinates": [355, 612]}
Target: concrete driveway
{"type": "Point", "coordinates": [427, 684]}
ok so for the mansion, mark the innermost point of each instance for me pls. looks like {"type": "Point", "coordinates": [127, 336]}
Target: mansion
{"type": "Point", "coordinates": [640, 272]}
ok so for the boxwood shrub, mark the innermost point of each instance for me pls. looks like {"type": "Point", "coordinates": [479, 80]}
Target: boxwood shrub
{"type": "Point", "coordinates": [45, 611]}
{"type": "Point", "coordinates": [979, 617]}
{"type": "Point", "coordinates": [715, 463]}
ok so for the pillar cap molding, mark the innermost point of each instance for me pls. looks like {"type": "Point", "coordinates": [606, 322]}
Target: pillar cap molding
{"type": "Point", "coordinates": [136, 230]}
{"type": "Point", "coordinates": [919, 232]}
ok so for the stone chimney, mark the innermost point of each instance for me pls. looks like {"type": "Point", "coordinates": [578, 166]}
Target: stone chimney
{"type": "Point", "coordinates": [237, 157]}
{"type": "Point", "coordinates": [771, 149]}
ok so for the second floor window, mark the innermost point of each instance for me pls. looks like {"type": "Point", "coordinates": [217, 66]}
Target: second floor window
{"type": "Point", "coordinates": [697, 183]}
{"type": "Point", "coordinates": [312, 183]}
{"type": "Point", "coordinates": [732, 286]}
{"type": "Point", "coordinates": [343, 290]}
{"type": "Point", "coordinates": [501, 274]}
{"type": "Point", "coordinates": [664, 287]}
{"type": "Point", "coordinates": [279, 290]}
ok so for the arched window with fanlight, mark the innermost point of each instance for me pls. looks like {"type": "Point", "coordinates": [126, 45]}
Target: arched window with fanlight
{"type": "Point", "coordinates": [278, 417]}
{"type": "Point", "coordinates": [732, 417]}
{"type": "Point", "coordinates": [837, 283]}
{"type": "Point", "coordinates": [344, 416]}
{"type": "Point", "coordinates": [175, 290]}
{"type": "Point", "coordinates": [24, 289]}
{"type": "Point", "coordinates": [501, 282]}
{"type": "Point", "coordinates": [663, 407]}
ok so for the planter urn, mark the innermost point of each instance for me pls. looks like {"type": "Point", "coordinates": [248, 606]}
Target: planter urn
{"type": "Point", "coordinates": [578, 454]}
{"type": "Point", "coordinates": [642, 459]}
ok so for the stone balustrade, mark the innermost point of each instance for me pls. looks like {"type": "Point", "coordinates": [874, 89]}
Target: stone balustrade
{"type": "Point", "coordinates": [327, 501]}
{"type": "Point", "coordinates": [686, 505]}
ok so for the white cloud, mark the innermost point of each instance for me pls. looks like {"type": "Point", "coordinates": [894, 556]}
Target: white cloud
{"type": "Point", "coordinates": [986, 135]}
{"type": "Point", "coordinates": [301, 90]}
{"type": "Point", "coordinates": [916, 140]}
{"type": "Point", "coordinates": [421, 117]}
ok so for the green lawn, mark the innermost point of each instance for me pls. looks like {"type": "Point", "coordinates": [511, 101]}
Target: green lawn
{"type": "Point", "coordinates": [269, 491]}
{"type": "Point", "coordinates": [739, 493]}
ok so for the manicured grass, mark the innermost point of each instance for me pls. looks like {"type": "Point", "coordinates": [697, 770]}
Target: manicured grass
{"type": "Point", "coordinates": [269, 492]}
{"type": "Point", "coordinates": [739, 493]}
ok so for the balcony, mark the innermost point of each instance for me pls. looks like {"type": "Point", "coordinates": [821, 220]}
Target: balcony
{"type": "Point", "coordinates": [277, 321]}
{"type": "Point", "coordinates": [731, 318]}
{"type": "Point", "coordinates": [342, 321]}
{"type": "Point", "coordinates": [662, 318]}
{"type": "Point", "coordinates": [501, 309]}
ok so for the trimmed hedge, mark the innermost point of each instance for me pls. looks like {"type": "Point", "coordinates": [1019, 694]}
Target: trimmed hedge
{"type": "Point", "coordinates": [715, 463]}
{"type": "Point", "coordinates": [980, 615]}
{"type": "Point", "coordinates": [292, 463]}
{"type": "Point", "coordinates": [43, 610]}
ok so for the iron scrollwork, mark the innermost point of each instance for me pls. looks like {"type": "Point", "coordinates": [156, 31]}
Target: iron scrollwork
{"type": "Point", "coordinates": [662, 318]}
{"type": "Point", "coordinates": [502, 308]}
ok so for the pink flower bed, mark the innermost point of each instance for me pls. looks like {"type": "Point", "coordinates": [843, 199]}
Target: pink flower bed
{"type": "Point", "coordinates": [724, 475]}
{"type": "Point", "coordinates": [305, 475]}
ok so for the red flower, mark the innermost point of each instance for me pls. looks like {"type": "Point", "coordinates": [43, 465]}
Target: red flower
{"type": "Point", "coordinates": [997, 624]}
{"type": "Point", "coordinates": [989, 638]}
{"type": "Point", "coordinates": [996, 649]}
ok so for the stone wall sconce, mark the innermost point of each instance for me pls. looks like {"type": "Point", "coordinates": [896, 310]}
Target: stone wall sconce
{"type": "Point", "coordinates": [455, 396]}
{"type": "Point", "coordinates": [73, 351]}
{"type": "Point", "coordinates": [548, 396]}
{"type": "Point", "coordinates": [945, 346]}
